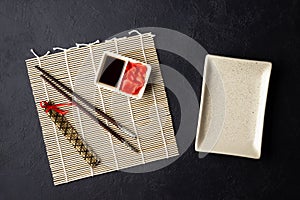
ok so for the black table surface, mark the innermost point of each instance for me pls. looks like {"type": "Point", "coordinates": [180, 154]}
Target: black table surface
{"type": "Point", "coordinates": [260, 30]}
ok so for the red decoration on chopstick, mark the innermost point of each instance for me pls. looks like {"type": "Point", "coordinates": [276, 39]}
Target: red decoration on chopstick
{"type": "Point", "coordinates": [55, 107]}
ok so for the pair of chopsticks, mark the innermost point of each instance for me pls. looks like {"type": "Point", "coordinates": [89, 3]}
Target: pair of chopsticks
{"type": "Point", "coordinates": [53, 81]}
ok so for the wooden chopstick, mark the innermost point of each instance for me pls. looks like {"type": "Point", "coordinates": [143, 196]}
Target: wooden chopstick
{"type": "Point", "coordinates": [108, 118]}
{"type": "Point", "coordinates": [112, 132]}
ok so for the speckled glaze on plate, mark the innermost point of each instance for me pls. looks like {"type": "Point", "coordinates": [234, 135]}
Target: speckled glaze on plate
{"type": "Point", "coordinates": [232, 108]}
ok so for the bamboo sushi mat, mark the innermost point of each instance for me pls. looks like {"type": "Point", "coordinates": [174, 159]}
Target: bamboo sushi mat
{"type": "Point", "coordinates": [148, 117]}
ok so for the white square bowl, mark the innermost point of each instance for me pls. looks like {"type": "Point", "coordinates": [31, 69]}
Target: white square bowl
{"type": "Point", "coordinates": [117, 86]}
{"type": "Point", "coordinates": [233, 99]}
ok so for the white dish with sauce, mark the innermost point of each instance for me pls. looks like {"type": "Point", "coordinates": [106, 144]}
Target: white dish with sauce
{"type": "Point", "coordinates": [123, 75]}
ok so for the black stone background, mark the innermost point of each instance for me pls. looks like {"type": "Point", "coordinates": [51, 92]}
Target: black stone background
{"type": "Point", "coordinates": [261, 30]}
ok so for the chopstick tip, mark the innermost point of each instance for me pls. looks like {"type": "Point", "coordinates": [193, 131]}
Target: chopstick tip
{"type": "Point", "coordinates": [128, 132]}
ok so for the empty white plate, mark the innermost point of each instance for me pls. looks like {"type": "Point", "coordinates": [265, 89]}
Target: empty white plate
{"type": "Point", "coordinates": [232, 108]}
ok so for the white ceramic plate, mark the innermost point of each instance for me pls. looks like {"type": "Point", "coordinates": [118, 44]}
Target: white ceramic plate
{"type": "Point", "coordinates": [232, 108]}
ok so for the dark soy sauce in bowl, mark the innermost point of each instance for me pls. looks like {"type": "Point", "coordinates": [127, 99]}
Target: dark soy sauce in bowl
{"type": "Point", "coordinates": [112, 70]}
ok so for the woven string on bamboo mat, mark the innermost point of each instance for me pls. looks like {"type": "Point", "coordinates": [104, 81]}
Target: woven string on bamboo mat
{"type": "Point", "coordinates": [148, 117]}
